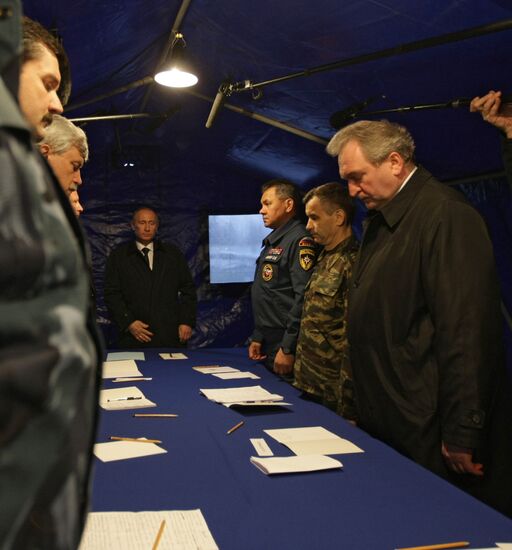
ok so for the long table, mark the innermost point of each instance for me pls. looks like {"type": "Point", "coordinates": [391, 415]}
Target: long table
{"type": "Point", "coordinates": [379, 500]}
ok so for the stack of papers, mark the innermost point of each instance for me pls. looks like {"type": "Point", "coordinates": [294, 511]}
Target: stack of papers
{"type": "Point", "coordinates": [251, 396]}
{"type": "Point", "coordinates": [313, 441]}
{"type": "Point", "coordinates": [124, 355]}
{"type": "Point", "coordinates": [136, 530]}
{"type": "Point", "coordinates": [215, 369]}
{"type": "Point", "coordinates": [294, 464]}
{"type": "Point", "coordinates": [226, 373]}
{"type": "Point", "coordinates": [173, 356]}
{"type": "Point", "coordinates": [124, 398]}
{"type": "Point", "coordinates": [122, 450]}
{"type": "Point", "coordinates": [120, 369]}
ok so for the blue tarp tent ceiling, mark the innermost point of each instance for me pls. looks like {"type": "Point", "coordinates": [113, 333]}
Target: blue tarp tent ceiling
{"type": "Point", "coordinates": [187, 171]}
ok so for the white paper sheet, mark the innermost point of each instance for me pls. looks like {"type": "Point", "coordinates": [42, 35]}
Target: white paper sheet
{"type": "Point", "coordinates": [245, 394]}
{"type": "Point", "coordinates": [124, 398]}
{"type": "Point", "coordinates": [235, 375]}
{"type": "Point", "coordinates": [173, 356]}
{"type": "Point", "coordinates": [117, 369]}
{"type": "Point", "coordinates": [294, 464]}
{"type": "Point", "coordinates": [213, 369]}
{"type": "Point", "coordinates": [184, 530]}
{"type": "Point", "coordinates": [122, 450]}
{"type": "Point", "coordinates": [261, 447]}
{"type": "Point", "coordinates": [314, 440]}
{"type": "Point", "coordinates": [123, 355]}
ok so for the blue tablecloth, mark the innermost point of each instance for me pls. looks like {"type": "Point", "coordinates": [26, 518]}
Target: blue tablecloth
{"type": "Point", "coordinates": [380, 500]}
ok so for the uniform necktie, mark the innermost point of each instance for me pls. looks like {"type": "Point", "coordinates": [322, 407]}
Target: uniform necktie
{"type": "Point", "coordinates": [145, 253]}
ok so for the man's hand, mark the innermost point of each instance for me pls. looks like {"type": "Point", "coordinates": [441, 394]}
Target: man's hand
{"type": "Point", "coordinates": [493, 111]}
{"type": "Point", "coordinates": [140, 332]}
{"type": "Point", "coordinates": [184, 333]}
{"type": "Point", "coordinates": [460, 460]}
{"type": "Point", "coordinates": [283, 363]}
{"type": "Point", "coordinates": [255, 352]}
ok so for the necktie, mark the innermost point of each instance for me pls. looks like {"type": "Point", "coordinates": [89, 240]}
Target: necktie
{"type": "Point", "coordinates": [145, 252]}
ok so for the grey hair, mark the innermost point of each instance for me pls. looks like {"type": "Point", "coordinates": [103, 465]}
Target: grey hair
{"type": "Point", "coordinates": [377, 138]}
{"type": "Point", "coordinates": [62, 134]}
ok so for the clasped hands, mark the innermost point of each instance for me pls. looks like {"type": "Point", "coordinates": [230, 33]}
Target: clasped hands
{"type": "Point", "coordinates": [140, 331]}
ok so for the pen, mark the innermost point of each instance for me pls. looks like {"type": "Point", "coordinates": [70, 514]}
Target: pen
{"type": "Point", "coordinates": [159, 535]}
{"type": "Point", "coordinates": [235, 427]}
{"type": "Point", "coordinates": [135, 439]}
{"type": "Point", "coordinates": [155, 415]}
{"type": "Point", "coordinates": [459, 544]}
{"type": "Point", "coordinates": [131, 398]}
{"type": "Point", "coordinates": [131, 379]}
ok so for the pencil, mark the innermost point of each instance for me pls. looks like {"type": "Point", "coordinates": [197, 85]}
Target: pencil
{"type": "Point", "coordinates": [235, 427]}
{"type": "Point", "coordinates": [437, 546]}
{"type": "Point", "coordinates": [159, 535]}
{"type": "Point", "coordinates": [135, 439]}
{"type": "Point", "coordinates": [155, 415]}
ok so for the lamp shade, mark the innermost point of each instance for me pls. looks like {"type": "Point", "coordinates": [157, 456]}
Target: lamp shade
{"type": "Point", "coordinates": [176, 71]}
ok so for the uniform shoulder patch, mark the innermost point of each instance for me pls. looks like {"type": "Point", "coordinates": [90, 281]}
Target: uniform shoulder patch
{"type": "Point", "coordinates": [306, 258]}
{"type": "Point", "coordinates": [307, 241]}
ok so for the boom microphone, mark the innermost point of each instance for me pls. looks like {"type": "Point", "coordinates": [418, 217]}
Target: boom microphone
{"type": "Point", "coordinates": [217, 104]}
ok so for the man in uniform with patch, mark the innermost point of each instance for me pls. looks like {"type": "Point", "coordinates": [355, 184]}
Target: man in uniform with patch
{"type": "Point", "coordinates": [322, 365]}
{"type": "Point", "coordinates": [282, 271]}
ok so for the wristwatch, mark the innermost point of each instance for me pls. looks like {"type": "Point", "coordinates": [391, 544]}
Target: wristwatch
{"type": "Point", "coordinates": [287, 351]}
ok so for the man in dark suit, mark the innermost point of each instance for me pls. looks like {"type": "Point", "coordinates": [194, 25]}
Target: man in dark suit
{"type": "Point", "coordinates": [149, 290]}
{"type": "Point", "coordinates": [424, 322]}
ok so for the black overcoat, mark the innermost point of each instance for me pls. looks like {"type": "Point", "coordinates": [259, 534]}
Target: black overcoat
{"type": "Point", "coordinates": [425, 327]}
{"type": "Point", "coordinates": [163, 297]}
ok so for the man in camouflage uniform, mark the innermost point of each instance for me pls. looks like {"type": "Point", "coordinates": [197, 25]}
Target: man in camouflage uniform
{"type": "Point", "coordinates": [282, 271]}
{"type": "Point", "coordinates": [49, 349]}
{"type": "Point", "coordinates": [322, 367]}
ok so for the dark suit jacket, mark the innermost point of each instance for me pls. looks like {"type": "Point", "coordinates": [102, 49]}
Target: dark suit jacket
{"type": "Point", "coordinates": [164, 297]}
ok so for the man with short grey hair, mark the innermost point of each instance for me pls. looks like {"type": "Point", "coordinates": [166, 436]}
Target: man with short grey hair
{"type": "Point", "coordinates": [65, 147]}
{"type": "Point", "coordinates": [424, 320]}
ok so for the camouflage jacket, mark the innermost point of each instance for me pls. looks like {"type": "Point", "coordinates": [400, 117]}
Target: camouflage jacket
{"type": "Point", "coordinates": [49, 349]}
{"type": "Point", "coordinates": [322, 366]}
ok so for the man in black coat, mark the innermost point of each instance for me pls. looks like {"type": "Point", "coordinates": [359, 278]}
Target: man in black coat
{"type": "Point", "coordinates": [424, 322]}
{"type": "Point", "coordinates": [149, 290]}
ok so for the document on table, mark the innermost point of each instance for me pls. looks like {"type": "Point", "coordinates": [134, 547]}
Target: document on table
{"type": "Point", "coordinates": [311, 441]}
{"type": "Point", "coordinates": [235, 375]}
{"type": "Point", "coordinates": [261, 446]}
{"type": "Point", "coordinates": [122, 450]}
{"type": "Point", "coordinates": [173, 356]}
{"type": "Point", "coordinates": [124, 355]}
{"type": "Point", "coordinates": [214, 369]}
{"type": "Point", "coordinates": [118, 369]}
{"type": "Point", "coordinates": [295, 464]}
{"type": "Point", "coordinates": [124, 398]}
{"type": "Point", "coordinates": [184, 530]}
{"type": "Point", "coordinates": [242, 395]}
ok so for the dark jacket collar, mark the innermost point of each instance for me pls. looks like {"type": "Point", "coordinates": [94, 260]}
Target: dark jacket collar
{"type": "Point", "coordinates": [393, 211]}
{"type": "Point", "coordinates": [280, 232]}
{"type": "Point", "coordinates": [157, 245]}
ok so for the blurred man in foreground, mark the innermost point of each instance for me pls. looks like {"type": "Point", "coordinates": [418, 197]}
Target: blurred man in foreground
{"type": "Point", "coordinates": [50, 352]}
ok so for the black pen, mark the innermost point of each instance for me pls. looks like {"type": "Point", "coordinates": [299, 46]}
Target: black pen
{"type": "Point", "coordinates": [123, 399]}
